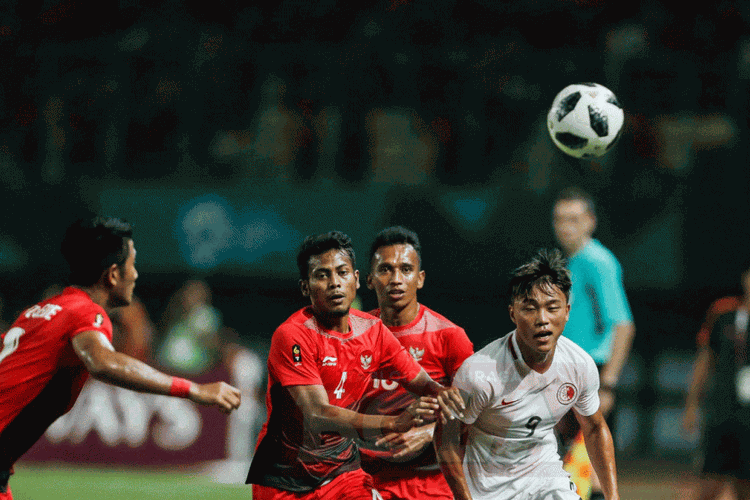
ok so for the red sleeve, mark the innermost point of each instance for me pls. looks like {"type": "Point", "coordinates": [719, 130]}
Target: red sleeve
{"type": "Point", "coordinates": [719, 307]}
{"type": "Point", "coordinates": [457, 347]}
{"type": "Point", "coordinates": [397, 362]}
{"type": "Point", "coordinates": [292, 357]}
{"type": "Point", "coordinates": [90, 319]}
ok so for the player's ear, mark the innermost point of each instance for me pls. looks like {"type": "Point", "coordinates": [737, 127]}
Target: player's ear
{"type": "Point", "coordinates": [368, 281]}
{"type": "Point", "coordinates": [304, 286]}
{"type": "Point", "coordinates": [512, 313]}
{"type": "Point", "coordinates": [356, 277]}
{"type": "Point", "coordinates": [420, 279]}
{"type": "Point", "coordinates": [112, 275]}
{"type": "Point", "coordinates": [592, 223]}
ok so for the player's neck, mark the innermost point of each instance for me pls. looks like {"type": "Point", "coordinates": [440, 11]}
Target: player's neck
{"type": "Point", "coordinates": [334, 323]}
{"type": "Point", "coordinates": [98, 296]}
{"type": "Point", "coordinates": [539, 362]}
{"type": "Point", "coordinates": [399, 317]}
{"type": "Point", "coordinates": [571, 251]}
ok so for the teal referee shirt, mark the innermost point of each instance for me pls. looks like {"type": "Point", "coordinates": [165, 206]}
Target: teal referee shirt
{"type": "Point", "coordinates": [598, 300]}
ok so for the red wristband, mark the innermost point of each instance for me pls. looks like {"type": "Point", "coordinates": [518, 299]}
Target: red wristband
{"type": "Point", "coordinates": [180, 387]}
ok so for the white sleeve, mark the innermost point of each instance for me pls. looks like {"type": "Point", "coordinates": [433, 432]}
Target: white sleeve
{"type": "Point", "coordinates": [471, 381]}
{"type": "Point", "coordinates": [588, 401]}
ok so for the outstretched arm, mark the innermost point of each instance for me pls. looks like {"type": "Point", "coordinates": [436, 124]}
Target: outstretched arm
{"type": "Point", "coordinates": [601, 451]}
{"type": "Point", "coordinates": [450, 449]}
{"type": "Point", "coordinates": [321, 416]}
{"type": "Point", "coordinates": [108, 365]}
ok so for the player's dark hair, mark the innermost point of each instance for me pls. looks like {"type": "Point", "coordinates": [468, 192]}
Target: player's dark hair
{"type": "Point", "coordinates": [396, 235]}
{"type": "Point", "coordinates": [545, 269]}
{"type": "Point", "coordinates": [321, 243]}
{"type": "Point", "coordinates": [92, 245]}
{"type": "Point", "coordinates": [574, 193]}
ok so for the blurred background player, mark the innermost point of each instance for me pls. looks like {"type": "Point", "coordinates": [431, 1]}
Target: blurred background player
{"type": "Point", "coordinates": [320, 362]}
{"type": "Point", "coordinates": [50, 350]}
{"type": "Point", "coordinates": [191, 327]}
{"type": "Point", "coordinates": [600, 318]}
{"type": "Point", "coordinates": [516, 389]}
{"type": "Point", "coordinates": [722, 352]}
{"type": "Point", "coordinates": [408, 469]}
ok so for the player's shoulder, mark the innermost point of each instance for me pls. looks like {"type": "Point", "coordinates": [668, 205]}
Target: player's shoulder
{"type": "Point", "coordinates": [569, 351]}
{"type": "Point", "coordinates": [362, 321]}
{"type": "Point", "coordinates": [301, 319]}
{"type": "Point", "coordinates": [434, 321]}
{"type": "Point", "coordinates": [71, 301]}
{"type": "Point", "coordinates": [596, 253]}
{"type": "Point", "coordinates": [489, 354]}
{"type": "Point", "coordinates": [485, 368]}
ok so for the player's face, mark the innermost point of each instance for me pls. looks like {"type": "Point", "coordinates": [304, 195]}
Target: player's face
{"type": "Point", "coordinates": [573, 223]}
{"type": "Point", "coordinates": [332, 283]}
{"type": "Point", "coordinates": [126, 274]}
{"type": "Point", "coordinates": [540, 319]}
{"type": "Point", "coordinates": [395, 276]}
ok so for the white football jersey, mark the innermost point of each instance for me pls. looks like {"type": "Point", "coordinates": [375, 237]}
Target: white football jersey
{"type": "Point", "coordinates": [512, 410]}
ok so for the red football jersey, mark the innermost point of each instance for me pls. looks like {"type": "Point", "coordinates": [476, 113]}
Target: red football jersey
{"type": "Point", "coordinates": [440, 346]}
{"type": "Point", "coordinates": [40, 374]}
{"type": "Point", "coordinates": [290, 457]}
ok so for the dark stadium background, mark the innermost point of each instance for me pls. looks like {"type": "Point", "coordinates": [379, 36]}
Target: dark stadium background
{"type": "Point", "coordinates": [226, 132]}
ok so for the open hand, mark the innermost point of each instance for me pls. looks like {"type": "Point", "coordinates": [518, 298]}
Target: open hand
{"type": "Point", "coordinates": [415, 413]}
{"type": "Point", "coordinates": [220, 394]}
{"type": "Point", "coordinates": [451, 404]}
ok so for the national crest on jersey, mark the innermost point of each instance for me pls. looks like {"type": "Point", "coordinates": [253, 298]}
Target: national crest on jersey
{"type": "Point", "coordinates": [416, 352]}
{"type": "Point", "coordinates": [365, 359]}
{"type": "Point", "coordinates": [566, 394]}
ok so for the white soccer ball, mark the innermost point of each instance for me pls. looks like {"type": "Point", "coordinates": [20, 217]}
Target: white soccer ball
{"type": "Point", "coordinates": [585, 120]}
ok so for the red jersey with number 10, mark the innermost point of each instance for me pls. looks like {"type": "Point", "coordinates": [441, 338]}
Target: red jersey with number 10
{"type": "Point", "coordinates": [440, 346]}
{"type": "Point", "coordinates": [289, 456]}
{"type": "Point", "coordinates": [40, 374]}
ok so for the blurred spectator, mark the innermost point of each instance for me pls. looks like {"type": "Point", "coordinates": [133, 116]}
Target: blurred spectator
{"type": "Point", "coordinates": [133, 330]}
{"type": "Point", "coordinates": [190, 326]}
{"type": "Point", "coordinates": [722, 352]}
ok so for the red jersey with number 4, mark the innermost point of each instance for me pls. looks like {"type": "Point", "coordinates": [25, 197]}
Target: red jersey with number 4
{"type": "Point", "coordinates": [290, 456]}
{"type": "Point", "coordinates": [40, 374]}
{"type": "Point", "coordinates": [440, 346]}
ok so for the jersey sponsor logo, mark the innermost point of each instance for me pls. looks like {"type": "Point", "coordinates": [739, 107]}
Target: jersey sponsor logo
{"type": "Point", "coordinates": [566, 393]}
{"type": "Point", "coordinates": [297, 353]}
{"type": "Point", "coordinates": [508, 403]}
{"type": "Point", "coordinates": [329, 361]}
{"type": "Point", "coordinates": [365, 359]}
{"type": "Point", "coordinates": [47, 311]}
{"type": "Point", "coordinates": [99, 320]}
{"type": "Point", "coordinates": [416, 353]}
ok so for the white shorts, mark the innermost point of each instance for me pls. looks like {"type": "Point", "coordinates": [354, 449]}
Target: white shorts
{"type": "Point", "coordinates": [534, 488]}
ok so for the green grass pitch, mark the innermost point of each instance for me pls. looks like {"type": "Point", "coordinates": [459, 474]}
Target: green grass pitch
{"type": "Point", "coordinates": [66, 482]}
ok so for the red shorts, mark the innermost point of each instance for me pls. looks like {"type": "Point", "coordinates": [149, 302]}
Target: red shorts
{"type": "Point", "coordinates": [355, 485]}
{"type": "Point", "coordinates": [419, 486]}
